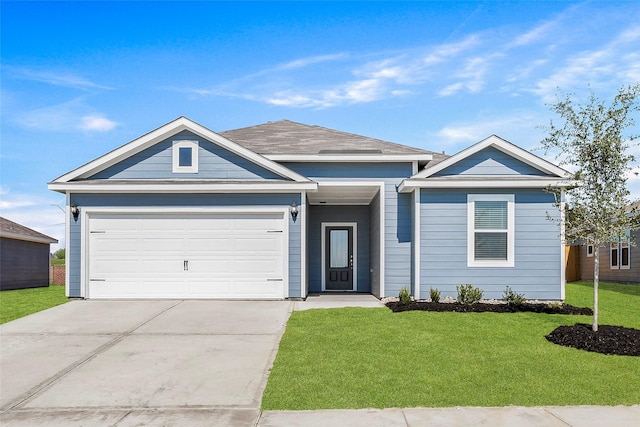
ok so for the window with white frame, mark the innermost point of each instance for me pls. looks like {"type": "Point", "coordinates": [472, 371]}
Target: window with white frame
{"type": "Point", "coordinates": [490, 230]}
{"type": "Point", "coordinates": [589, 251]}
{"type": "Point", "coordinates": [185, 156]}
{"type": "Point", "coordinates": [619, 253]}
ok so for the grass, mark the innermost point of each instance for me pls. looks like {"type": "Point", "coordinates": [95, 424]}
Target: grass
{"type": "Point", "coordinates": [361, 358]}
{"type": "Point", "coordinates": [22, 302]}
{"type": "Point", "coordinates": [56, 261]}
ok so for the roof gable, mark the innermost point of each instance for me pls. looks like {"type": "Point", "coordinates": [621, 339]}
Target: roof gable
{"type": "Point", "coordinates": [215, 162]}
{"type": "Point", "coordinates": [491, 156]}
{"type": "Point", "coordinates": [167, 131]}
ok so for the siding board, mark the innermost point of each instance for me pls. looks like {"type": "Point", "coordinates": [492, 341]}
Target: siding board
{"type": "Point", "coordinates": [537, 270]}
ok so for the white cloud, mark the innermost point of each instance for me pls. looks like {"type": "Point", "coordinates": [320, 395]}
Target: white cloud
{"type": "Point", "coordinates": [305, 62]}
{"type": "Point", "coordinates": [515, 128]}
{"type": "Point", "coordinates": [65, 117]}
{"type": "Point", "coordinates": [97, 123]}
{"type": "Point", "coordinates": [56, 78]}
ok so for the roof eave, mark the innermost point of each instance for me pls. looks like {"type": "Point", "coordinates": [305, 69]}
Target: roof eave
{"type": "Point", "coordinates": [182, 187]}
{"type": "Point", "coordinates": [350, 157]}
{"type": "Point", "coordinates": [410, 184]}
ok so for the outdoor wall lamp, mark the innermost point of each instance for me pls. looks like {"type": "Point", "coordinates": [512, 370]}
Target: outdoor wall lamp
{"type": "Point", "coordinates": [294, 211]}
{"type": "Point", "coordinates": [75, 211]}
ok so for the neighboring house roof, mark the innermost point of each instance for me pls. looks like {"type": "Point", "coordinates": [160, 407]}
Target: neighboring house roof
{"type": "Point", "coordinates": [13, 230]}
{"type": "Point", "coordinates": [552, 175]}
{"type": "Point", "coordinates": [287, 140]}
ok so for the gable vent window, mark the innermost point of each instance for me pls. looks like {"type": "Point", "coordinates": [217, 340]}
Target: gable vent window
{"type": "Point", "coordinates": [185, 156]}
{"type": "Point", "coordinates": [490, 233]}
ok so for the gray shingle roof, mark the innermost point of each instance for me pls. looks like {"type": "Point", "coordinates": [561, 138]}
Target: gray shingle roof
{"type": "Point", "coordinates": [13, 230]}
{"type": "Point", "coordinates": [287, 137]}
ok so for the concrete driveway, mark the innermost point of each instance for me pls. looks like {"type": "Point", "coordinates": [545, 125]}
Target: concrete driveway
{"type": "Point", "coordinates": [139, 362]}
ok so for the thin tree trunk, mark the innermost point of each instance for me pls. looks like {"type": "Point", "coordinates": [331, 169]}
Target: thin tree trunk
{"type": "Point", "coordinates": [596, 273]}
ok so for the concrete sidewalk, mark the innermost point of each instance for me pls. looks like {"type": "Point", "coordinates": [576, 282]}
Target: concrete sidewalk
{"type": "Point", "coordinates": [513, 416]}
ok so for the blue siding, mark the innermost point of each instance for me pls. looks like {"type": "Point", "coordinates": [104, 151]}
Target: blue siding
{"type": "Point", "coordinates": [320, 214]}
{"type": "Point", "coordinates": [215, 162]}
{"type": "Point", "coordinates": [443, 235]}
{"type": "Point", "coordinates": [490, 161]}
{"type": "Point", "coordinates": [374, 242]}
{"type": "Point", "coordinates": [351, 170]}
{"type": "Point", "coordinates": [186, 200]}
{"type": "Point", "coordinates": [398, 236]}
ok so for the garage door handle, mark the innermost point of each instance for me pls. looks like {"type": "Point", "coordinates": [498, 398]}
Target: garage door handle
{"type": "Point", "coordinates": [185, 265]}
{"type": "Point", "coordinates": [274, 280]}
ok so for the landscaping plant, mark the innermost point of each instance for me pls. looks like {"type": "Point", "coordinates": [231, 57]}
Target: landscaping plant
{"type": "Point", "coordinates": [468, 294]}
{"type": "Point", "coordinates": [592, 140]}
{"type": "Point", "coordinates": [513, 298]}
{"type": "Point", "coordinates": [434, 294]}
{"type": "Point", "coordinates": [404, 296]}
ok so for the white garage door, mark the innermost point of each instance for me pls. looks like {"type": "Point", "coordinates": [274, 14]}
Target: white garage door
{"type": "Point", "coordinates": [237, 255]}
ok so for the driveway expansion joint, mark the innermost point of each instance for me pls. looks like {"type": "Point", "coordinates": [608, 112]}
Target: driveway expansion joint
{"type": "Point", "coordinates": [44, 385]}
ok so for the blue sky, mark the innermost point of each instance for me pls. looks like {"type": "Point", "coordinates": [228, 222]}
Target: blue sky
{"type": "Point", "coordinates": [82, 78]}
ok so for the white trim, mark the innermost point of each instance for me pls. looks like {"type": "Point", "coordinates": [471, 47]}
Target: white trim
{"type": "Point", "coordinates": [175, 152]}
{"type": "Point", "coordinates": [302, 215]}
{"type": "Point", "coordinates": [350, 157]}
{"type": "Point", "coordinates": [67, 244]}
{"type": "Point", "coordinates": [504, 146]}
{"type": "Point", "coordinates": [486, 181]}
{"type": "Point", "coordinates": [382, 227]}
{"type": "Point", "coordinates": [183, 187]}
{"type": "Point", "coordinates": [510, 199]}
{"type": "Point", "coordinates": [354, 274]}
{"type": "Point", "coordinates": [590, 255]}
{"type": "Point", "coordinates": [563, 279]}
{"type": "Point", "coordinates": [86, 212]}
{"type": "Point", "coordinates": [416, 242]}
{"type": "Point", "coordinates": [167, 131]}
{"type": "Point", "coordinates": [27, 238]}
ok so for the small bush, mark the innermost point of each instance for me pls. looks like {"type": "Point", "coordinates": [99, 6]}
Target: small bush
{"type": "Point", "coordinates": [405, 296]}
{"type": "Point", "coordinates": [434, 294]}
{"type": "Point", "coordinates": [555, 305]}
{"type": "Point", "coordinates": [468, 295]}
{"type": "Point", "coordinates": [512, 297]}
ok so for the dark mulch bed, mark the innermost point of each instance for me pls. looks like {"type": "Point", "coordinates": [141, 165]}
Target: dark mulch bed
{"type": "Point", "coordinates": [493, 308]}
{"type": "Point", "coordinates": [608, 340]}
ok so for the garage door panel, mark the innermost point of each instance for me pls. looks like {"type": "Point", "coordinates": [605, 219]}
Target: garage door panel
{"type": "Point", "coordinates": [230, 255]}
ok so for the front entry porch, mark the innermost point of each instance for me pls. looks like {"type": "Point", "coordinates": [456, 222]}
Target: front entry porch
{"type": "Point", "coordinates": [337, 300]}
{"type": "Point", "coordinates": [343, 238]}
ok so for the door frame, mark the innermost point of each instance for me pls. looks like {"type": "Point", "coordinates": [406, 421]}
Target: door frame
{"type": "Point", "coordinates": [323, 227]}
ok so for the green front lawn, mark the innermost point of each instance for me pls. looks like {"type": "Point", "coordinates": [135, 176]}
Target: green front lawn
{"type": "Point", "coordinates": [19, 303]}
{"type": "Point", "coordinates": [361, 358]}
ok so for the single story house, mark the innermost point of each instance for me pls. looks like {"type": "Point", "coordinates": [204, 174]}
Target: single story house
{"type": "Point", "coordinates": [24, 256]}
{"type": "Point", "coordinates": [283, 209]}
{"type": "Point", "coordinates": [619, 260]}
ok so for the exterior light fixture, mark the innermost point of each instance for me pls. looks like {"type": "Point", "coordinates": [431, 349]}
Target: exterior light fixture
{"type": "Point", "coordinates": [294, 211]}
{"type": "Point", "coordinates": [75, 211]}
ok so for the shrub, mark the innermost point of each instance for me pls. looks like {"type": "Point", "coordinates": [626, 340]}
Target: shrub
{"type": "Point", "coordinates": [512, 297]}
{"type": "Point", "coordinates": [405, 296]}
{"type": "Point", "coordinates": [434, 294]}
{"type": "Point", "coordinates": [468, 295]}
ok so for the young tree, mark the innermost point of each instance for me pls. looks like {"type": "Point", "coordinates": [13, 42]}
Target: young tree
{"type": "Point", "coordinates": [591, 139]}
